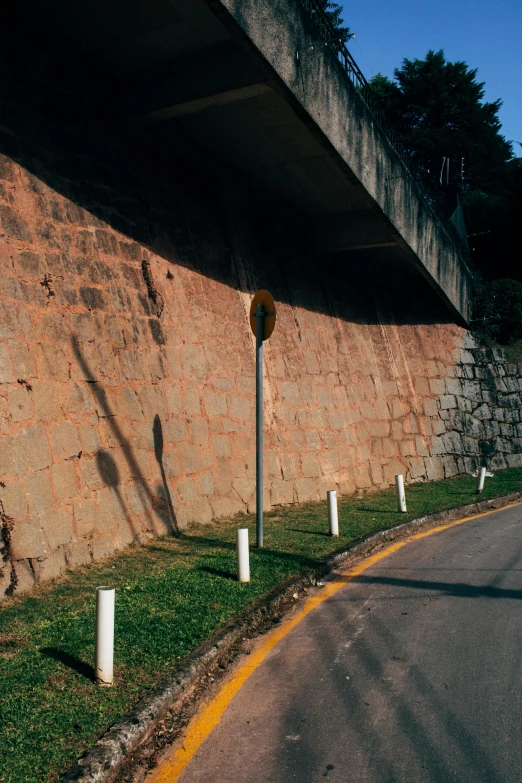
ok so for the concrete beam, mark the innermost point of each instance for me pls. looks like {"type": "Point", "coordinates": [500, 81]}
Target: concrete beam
{"type": "Point", "coordinates": [322, 95]}
{"type": "Point", "coordinates": [215, 79]}
{"type": "Point", "coordinates": [359, 231]}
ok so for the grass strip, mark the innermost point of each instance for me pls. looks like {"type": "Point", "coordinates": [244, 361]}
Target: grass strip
{"type": "Point", "coordinates": [171, 595]}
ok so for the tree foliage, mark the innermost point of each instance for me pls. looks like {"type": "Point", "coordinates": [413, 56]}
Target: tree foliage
{"type": "Point", "coordinates": [334, 13]}
{"type": "Point", "coordinates": [438, 108]}
{"type": "Point", "coordinates": [498, 311]}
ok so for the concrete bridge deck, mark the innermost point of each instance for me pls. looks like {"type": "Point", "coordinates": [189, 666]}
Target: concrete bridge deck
{"type": "Point", "coordinates": [251, 83]}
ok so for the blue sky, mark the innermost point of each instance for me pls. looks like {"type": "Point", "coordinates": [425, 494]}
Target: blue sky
{"type": "Point", "coordinates": [485, 34]}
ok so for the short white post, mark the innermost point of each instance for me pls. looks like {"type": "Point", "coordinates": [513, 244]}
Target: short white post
{"type": "Point", "coordinates": [103, 670]}
{"type": "Point", "coordinates": [481, 478]}
{"type": "Point", "coordinates": [243, 556]}
{"type": "Point", "coordinates": [401, 496]}
{"type": "Point", "coordinates": [333, 522]}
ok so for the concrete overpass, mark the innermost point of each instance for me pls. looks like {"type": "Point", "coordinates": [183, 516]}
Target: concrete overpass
{"type": "Point", "coordinates": [256, 84]}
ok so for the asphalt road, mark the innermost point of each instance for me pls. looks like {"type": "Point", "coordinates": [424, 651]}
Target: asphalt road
{"type": "Point", "coordinates": [412, 673]}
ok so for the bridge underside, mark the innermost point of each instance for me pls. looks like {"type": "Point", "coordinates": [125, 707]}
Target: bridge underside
{"type": "Point", "coordinates": [188, 66]}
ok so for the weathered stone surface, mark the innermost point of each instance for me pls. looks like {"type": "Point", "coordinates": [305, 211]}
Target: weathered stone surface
{"type": "Point", "coordinates": [38, 492]}
{"type": "Point", "coordinates": [64, 440]}
{"type": "Point", "coordinates": [58, 526]}
{"type": "Point", "coordinates": [34, 442]}
{"type": "Point", "coordinates": [127, 407]}
{"type": "Point", "coordinates": [28, 540]}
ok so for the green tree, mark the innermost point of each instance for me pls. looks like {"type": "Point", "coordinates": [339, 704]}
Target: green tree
{"type": "Point", "coordinates": [334, 13]}
{"type": "Point", "coordinates": [438, 108]}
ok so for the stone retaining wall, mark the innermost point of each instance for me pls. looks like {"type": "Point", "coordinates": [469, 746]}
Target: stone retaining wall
{"type": "Point", "coordinates": [127, 265]}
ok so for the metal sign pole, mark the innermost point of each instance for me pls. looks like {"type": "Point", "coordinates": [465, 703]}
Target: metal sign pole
{"type": "Point", "coordinates": [260, 312]}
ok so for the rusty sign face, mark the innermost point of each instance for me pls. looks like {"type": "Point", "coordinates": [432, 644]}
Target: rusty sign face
{"type": "Point", "coordinates": [266, 299]}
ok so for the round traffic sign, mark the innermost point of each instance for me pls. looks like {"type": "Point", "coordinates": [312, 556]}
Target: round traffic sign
{"type": "Point", "coordinates": [265, 299]}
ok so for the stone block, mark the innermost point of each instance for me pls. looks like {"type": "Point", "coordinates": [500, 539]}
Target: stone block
{"type": "Point", "coordinates": [55, 362]}
{"type": "Point", "coordinates": [194, 361]}
{"type": "Point", "coordinates": [452, 443]}
{"type": "Point", "coordinates": [45, 399]}
{"type": "Point", "coordinates": [171, 464]}
{"type": "Point", "coordinates": [58, 526]}
{"type": "Point", "coordinates": [407, 448]}
{"type": "Point", "coordinates": [376, 473]}
{"type": "Point", "coordinates": [153, 402]}
{"type": "Point", "coordinates": [79, 400]}
{"type": "Point", "coordinates": [89, 440]}
{"type": "Point", "coordinates": [65, 443]}
{"type": "Point", "coordinates": [324, 397]}
{"type": "Point", "coordinates": [215, 403]}
{"type": "Point", "coordinates": [227, 506]}
{"type": "Point", "coordinates": [91, 472]}
{"type": "Point", "coordinates": [38, 492]}
{"type": "Point", "coordinates": [20, 403]}
{"type": "Point", "coordinates": [7, 374]}
{"type": "Point", "coordinates": [430, 406]}
{"type": "Point", "coordinates": [437, 386]}
{"type": "Point", "coordinates": [12, 496]}
{"type": "Point", "coordinates": [378, 429]}
{"type": "Point", "coordinates": [240, 407]}
{"type": "Point", "coordinates": [329, 462]}
{"type": "Point", "coordinates": [9, 326]}
{"type": "Point", "coordinates": [199, 433]}
{"type": "Point", "coordinates": [134, 366]}
{"type": "Point", "coordinates": [84, 517]}
{"type": "Point", "coordinates": [417, 468]}
{"type": "Point", "coordinates": [174, 430]}
{"type": "Point", "coordinates": [422, 386]}
{"type": "Point", "coordinates": [128, 405]}
{"type": "Point", "coordinates": [450, 466]}
{"type": "Point", "coordinates": [102, 547]}
{"type": "Point", "coordinates": [281, 492]}
{"type": "Point", "coordinates": [310, 466]}
{"type": "Point", "coordinates": [28, 540]}
{"type": "Point", "coordinates": [64, 480]}
{"type": "Point", "coordinates": [306, 489]}
{"type": "Point", "coordinates": [447, 401]}
{"type": "Point", "coordinates": [77, 554]}
{"type": "Point", "coordinates": [25, 577]}
{"type": "Point", "coordinates": [434, 468]}
{"type": "Point", "coordinates": [36, 446]}
{"type": "Point", "coordinates": [137, 497]}
{"type": "Point", "coordinates": [246, 489]}
{"type": "Point", "coordinates": [206, 484]}
{"type": "Point", "coordinates": [464, 405]}
{"type": "Point", "coordinates": [362, 477]}
{"type": "Point", "coordinates": [109, 509]}
{"type": "Point", "coordinates": [189, 458]}
{"type": "Point", "coordinates": [337, 420]}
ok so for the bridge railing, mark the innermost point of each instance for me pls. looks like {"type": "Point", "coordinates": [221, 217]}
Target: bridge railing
{"type": "Point", "coordinates": [329, 37]}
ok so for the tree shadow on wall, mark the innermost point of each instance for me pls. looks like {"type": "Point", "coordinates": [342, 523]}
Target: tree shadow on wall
{"type": "Point", "coordinates": [157, 433]}
{"type": "Point", "coordinates": [108, 468]}
{"type": "Point", "coordinates": [156, 187]}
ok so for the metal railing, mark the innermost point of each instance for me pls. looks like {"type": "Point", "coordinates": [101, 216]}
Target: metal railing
{"type": "Point", "coordinates": [329, 37]}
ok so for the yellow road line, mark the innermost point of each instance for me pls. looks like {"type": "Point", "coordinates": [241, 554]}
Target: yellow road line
{"type": "Point", "coordinates": [209, 715]}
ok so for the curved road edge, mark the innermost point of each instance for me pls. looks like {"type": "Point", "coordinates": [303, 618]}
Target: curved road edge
{"type": "Point", "coordinates": [130, 742]}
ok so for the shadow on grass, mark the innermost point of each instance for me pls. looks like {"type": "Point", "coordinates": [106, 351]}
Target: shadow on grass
{"type": "Point", "coordinates": [82, 668]}
{"type": "Point", "coordinates": [309, 532]}
{"type": "Point", "coordinates": [218, 572]}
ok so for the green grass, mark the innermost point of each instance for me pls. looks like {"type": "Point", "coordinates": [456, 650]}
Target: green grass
{"type": "Point", "coordinates": [171, 594]}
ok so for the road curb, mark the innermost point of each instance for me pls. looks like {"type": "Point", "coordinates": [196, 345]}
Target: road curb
{"type": "Point", "coordinates": [104, 761]}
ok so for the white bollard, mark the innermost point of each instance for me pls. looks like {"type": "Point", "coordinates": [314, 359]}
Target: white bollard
{"type": "Point", "coordinates": [104, 655]}
{"type": "Point", "coordinates": [401, 496]}
{"type": "Point", "coordinates": [481, 478]}
{"type": "Point", "coordinates": [333, 522]}
{"type": "Point", "coordinates": [243, 555]}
